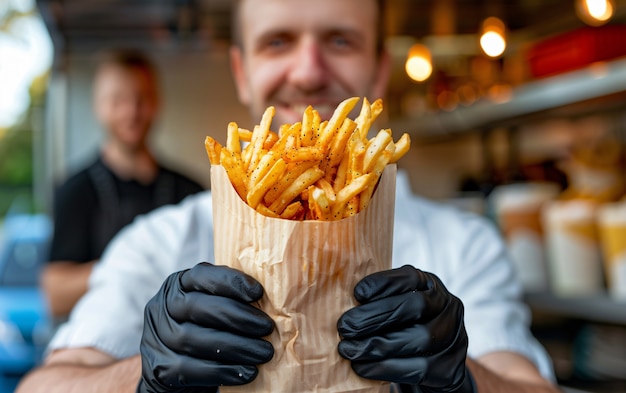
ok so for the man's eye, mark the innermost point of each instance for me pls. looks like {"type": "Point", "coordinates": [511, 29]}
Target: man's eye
{"type": "Point", "coordinates": [277, 43]}
{"type": "Point", "coordinates": [340, 41]}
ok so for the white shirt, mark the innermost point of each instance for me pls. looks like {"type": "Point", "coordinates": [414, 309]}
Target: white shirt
{"type": "Point", "coordinates": [464, 250]}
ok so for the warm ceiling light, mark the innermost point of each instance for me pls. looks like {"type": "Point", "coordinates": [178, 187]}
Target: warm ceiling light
{"type": "Point", "coordinates": [418, 64]}
{"type": "Point", "coordinates": [595, 12]}
{"type": "Point", "coordinates": [492, 38]}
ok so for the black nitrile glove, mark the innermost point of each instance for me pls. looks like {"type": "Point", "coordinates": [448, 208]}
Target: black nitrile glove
{"type": "Point", "coordinates": [200, 332]}
{"type": "Point", "coordinates": [408, 329]}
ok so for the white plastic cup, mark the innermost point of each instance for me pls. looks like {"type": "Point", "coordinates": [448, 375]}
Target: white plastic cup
{"type": "Point", "coordinates": [612, 232]}
{"type": "Point", "coordinates": [574, 256]}
{"type": "Point", "coordinates": [517, 209]}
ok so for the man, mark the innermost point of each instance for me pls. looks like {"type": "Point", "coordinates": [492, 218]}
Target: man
{"type": "Point", "coordinates": [125, 180]}
{"type": "Point", "coordinates": [200, 331]}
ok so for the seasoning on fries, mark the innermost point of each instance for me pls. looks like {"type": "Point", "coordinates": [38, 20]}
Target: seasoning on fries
{"type": "Point", "coordinates": [309, 170]}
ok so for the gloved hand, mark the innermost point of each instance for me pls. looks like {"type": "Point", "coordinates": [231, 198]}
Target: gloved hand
{"type": "Point", "coordinates": [200, 332]}
{"type": "Point", "coordinates": [408, 329]}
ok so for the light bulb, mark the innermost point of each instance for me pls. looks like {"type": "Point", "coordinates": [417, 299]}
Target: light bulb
{"type": "Point", "coordinates": [492, 43]}
{"type": "Point", "coordinates": [418, 64]}
{"type": "Point", "coordinates": [492, 40]}
{"type": "Point", "coordinates": [595, 12]}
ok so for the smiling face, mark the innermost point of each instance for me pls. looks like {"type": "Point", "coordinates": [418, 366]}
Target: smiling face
{"type": "Point", "coordinates": [294, 53]}
{"type": "Point", "coordinates": [126, 103]}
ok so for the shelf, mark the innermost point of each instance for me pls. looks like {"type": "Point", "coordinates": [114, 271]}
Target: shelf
{"type": "Point", "coordinates": [596, 81]}
{"type": "Point", "coordinates": [597, 308]}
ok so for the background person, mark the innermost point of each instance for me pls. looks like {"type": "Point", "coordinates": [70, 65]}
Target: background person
{"type": "Point", "coordinates": [290, 54]}
{"type": "Point", "coordinates": [123, 181]}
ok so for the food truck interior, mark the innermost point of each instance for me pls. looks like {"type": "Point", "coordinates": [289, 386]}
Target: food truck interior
{"type": "Point", "coordinates": [516, 133]}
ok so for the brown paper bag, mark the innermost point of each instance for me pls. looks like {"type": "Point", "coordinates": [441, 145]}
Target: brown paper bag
{"type": "Point", "coordinates": [308, 270]}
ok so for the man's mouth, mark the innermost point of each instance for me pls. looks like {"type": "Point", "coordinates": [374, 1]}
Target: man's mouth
{"type": "Point", "coordinates": [324, 109]}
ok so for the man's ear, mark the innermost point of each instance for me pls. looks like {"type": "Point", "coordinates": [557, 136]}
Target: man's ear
{"type": "Point", "coordinates": [383, 72]}
{"type": "Point", "coordinates": [239, 75]}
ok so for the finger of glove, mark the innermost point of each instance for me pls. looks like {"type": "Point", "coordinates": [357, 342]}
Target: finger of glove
{"type": "Point", "coordinates": [441, 371]}
{"type": "Point", "coordinates": [392, 282]}
{"type": "Point", "coordinates": [447, 367]}
{"type": "Point", "coordinates": [403, 280]}
{"type": "Point", "coordinates": [218, 312]}
{"type": "Point", "coordinates": [164, 337]}
{"type": "Point", "coordinates": [390, 314]}
{"type": "Point", "coordinates": [220, 346]}
{"type": "Point", "coordinates": [222, 281]}
{"type": "Point", "coordinates": [415, 340]}
{"type": "Point", "coordinates": [400, 370]}
{"type": "Point", "coordinates": [438, 372]}
{"type": "Point", "coordinates": [185, 372]}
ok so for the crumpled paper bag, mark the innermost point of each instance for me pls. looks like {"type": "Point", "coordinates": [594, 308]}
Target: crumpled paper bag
{"type": "Point", "coordinates": [308, 270]}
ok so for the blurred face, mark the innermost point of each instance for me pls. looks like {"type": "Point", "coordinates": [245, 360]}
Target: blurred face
{"type": "Point", "coordinates": [126, 104]}
{"type": "Point", "coordinates": [296, 53]}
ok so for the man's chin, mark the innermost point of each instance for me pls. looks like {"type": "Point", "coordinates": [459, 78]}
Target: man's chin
{"type": "Point", "coordinates": [133, 140]}
{"type": "Point", "coordinates": [284, 115]}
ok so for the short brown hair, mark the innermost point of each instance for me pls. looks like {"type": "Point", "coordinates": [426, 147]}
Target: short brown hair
{"type": "Point", "coordinates": [127, 58]}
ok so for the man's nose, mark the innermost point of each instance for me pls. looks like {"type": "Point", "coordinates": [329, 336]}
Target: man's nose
{"type": "Point", "coordinates": [133, 106]}
{"type": "Point", "coordinates": [309, 71]}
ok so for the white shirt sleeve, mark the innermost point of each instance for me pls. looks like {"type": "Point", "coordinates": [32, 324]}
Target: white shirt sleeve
{"type": "Point", "coordinates": [110, 316]}
{"type": "Point", "coordinates": [496, 318]}
{"type": "Point", "coordinates": [468, 254]}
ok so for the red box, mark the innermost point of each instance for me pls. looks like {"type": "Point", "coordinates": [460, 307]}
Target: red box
{"type": "Point", "coordinates": [576, 49]}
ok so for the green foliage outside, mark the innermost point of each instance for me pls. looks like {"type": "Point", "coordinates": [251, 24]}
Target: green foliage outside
{"type": "Point", "coordinates": [16, 157]}
{"type": "Point", "coordinates": [16, 142]}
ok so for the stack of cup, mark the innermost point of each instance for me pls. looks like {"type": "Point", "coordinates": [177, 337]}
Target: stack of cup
{"type": "Point", "coordinates": [574, 257]}
{"type": "Point", "coordinates": [612, 231]}
{"type": "Point", "coordinates": [517, 209]}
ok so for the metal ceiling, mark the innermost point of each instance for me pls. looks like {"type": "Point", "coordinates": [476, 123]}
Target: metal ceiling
{"type": "Point", "coordinates": [153, 25]}
{"type": "Point", "coordinates": [199, 25]}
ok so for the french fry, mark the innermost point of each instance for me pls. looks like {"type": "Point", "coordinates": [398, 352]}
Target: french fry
{"type": "Point", "coordinates": [258, 138]}
{"type": "Point", "coordinates": [234, 168]}
{"type": "Point", "coordinates": [313, 169]}
{"type": "Point", "coordinates": [364, 120]}
{"type": "Point", "coordinates": [379, 167]}
{"type": "Point", "coordinates": [351, 190]}
{"type": "Point", "coordinates": [310, 176]}
{"type": "Point", "coordinates": [292, 172]}
{"type": "Point", "coordinates": [356, 158]}
{"type": "Point", "coordinates": [256, 193]}
{"type": "Point", "coordinates": [328, 189]}
{"type": "Point", "coordinates": [306, 153]}
{"type": "Point", "coordinates": [402, 147]}
{"type": "Point", "coordinates": [338, 144]}
{"type": "Point", "coordinates": [232, 140]}
{"type": "Point", "coordinates": [265, 163]}
{"type": "Point", "coordinates": [342, 173]}
{"type": "Point", "coordinates": [281, 144]}
{"type": "Point", "coordinates": [261, 208]}
{"type": "Point", "coordinates": [213, 149]}
{"type": "Point", "coordinates": [319, 204]}
{"type": "Point", "coordinates": [331, 129]}
{"type": "Point", "coordinates": [271, 139]}
{"type": "Point", "coordinates": [374, 149]}
{"type": "Point", "coordinates": [376, 109]}
{"type": "Point", "coordinates": [246, 153]}
{"type": "Point", "coordinates": [307, 132]}
{"type": "Point", "coordinates": [244, 135]}
{"type": "Point", "coordinates": [352, 207]}
{"type": "Point", "coordinates": [292, 211]}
